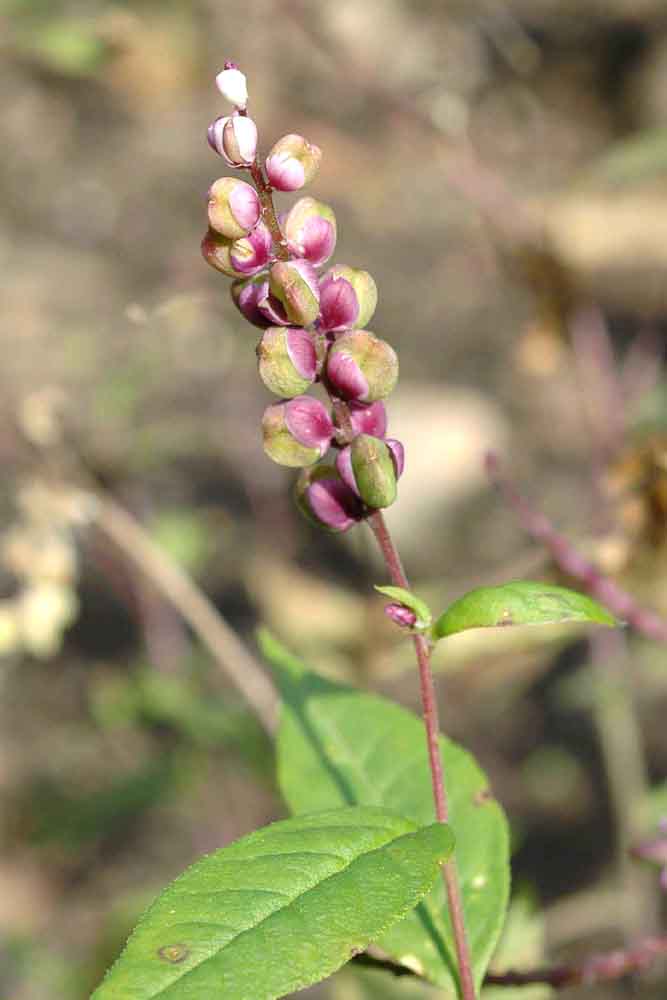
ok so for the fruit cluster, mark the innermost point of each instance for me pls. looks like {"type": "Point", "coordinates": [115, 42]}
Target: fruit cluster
{"type": "Point", "coordinates": [314, 325]}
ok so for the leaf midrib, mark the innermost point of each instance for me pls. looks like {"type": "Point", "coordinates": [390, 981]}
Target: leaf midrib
{"type": "Point", "coordinates": [333, 730]}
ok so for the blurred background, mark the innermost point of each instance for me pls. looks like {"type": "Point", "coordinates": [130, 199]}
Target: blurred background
{"type": "Point", "coordinates": [501, 169]}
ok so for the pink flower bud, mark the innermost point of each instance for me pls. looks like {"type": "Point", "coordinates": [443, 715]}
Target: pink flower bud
{"type": "Point", "coordinates": [271, 307]}
{"type": "Point", "coordinates": [361, 366]}
{"type": "Point", "coordinates": [310, 230]}
{"type": "Point", "coordinates": [233, 207]}
{"type": "Point", "coordinates": [400, 615]}
{"type": "Point", "coordinates": [289, 360]}
{"type": "Point", "coordinates": [309, 421]}
{"type": "Point", "coordinates": [246, 296]}
{"type": "Point", "coordinates": [215, 251]}
{"type": "Point", "coordinates": [324, 499]}
{"type": "Point", "coordinates": [235, 139]}
{"type": "Point", "coordinates": [368, 418]}
{"type": "Point", "coordinates": [231, 83]}
{"type": "Point", "coordinates": [253, 298]}
{"type": "Point", "coordinates": [397, 452]}
{"type": "Point", "coordinates": [348, 298]}
{"type": "Point", "coordinates": [294, 284]}
{"type": "Point", "coordinates": [297, 432]}
{"type": "Point", "coordinates": [252, 253]}
{"type": "Point", "coordinates": [292, 163]}
{"type": "Point", "coordinates": [367, 467]}
{"type": "Point", "coordinates": [240, 257]}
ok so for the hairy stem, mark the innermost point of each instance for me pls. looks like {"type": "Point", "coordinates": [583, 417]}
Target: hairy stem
{"type": "Point", "coordinates": [430, 710]}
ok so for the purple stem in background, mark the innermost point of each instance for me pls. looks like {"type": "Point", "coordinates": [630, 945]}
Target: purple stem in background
{"type": "Point", "coordinates": [601, 968]}
{"type": "Point", "coordinates": [570, 561]}
{"type": "Point", "coordinates": [604, 967]}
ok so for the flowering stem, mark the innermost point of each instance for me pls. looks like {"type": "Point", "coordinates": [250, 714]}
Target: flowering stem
{"type": "Point", "coordinates": [397, 573]}
{"type": "Point", "coordinates": [430, 710]}
{"type": "Point", "coordinates": [264, 190]}
{"type": "Point", "coordinates": [342, 415]}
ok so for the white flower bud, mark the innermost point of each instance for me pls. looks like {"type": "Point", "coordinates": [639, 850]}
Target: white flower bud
{"type": "Point", "coordinates": [232, 85]}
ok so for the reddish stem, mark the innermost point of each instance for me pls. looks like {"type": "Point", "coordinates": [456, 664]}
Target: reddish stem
{"type": "Point", "coordinates": [397, 573]}
{"type": "Point", "coordinates": [602, 968]}
{"type": "Point", "coordinates": [605, 967]}
{"type": "Point", "coordinates": [430, 710]}
{"type": "Point", "coordinates": [265, 192]}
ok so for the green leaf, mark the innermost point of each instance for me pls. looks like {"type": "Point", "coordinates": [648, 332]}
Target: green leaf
{"type": "Point", "coordinates": [279, 909]}
{"type": "Point", "coordinates": [410, 600]}
{"type": "Point", "coordinates": [520, 602]}
{"type": "Point", "coordinates": [338, 746]}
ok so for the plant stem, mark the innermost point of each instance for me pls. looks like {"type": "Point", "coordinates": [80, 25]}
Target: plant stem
{"type": "Point", "coordinates": [265, 192]}
{"type": "Point", "coordinates": [603, 967]}
{"type": "Point", "coordinates": [430, 710]}
{"type": "Point", "coordinates": [397, 573]}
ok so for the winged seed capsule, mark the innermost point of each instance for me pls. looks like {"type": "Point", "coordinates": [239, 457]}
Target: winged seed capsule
{"type": "Point", "coordinates": [240, 257]}
{"type": "Point", "coordinates": [292, 163]}
{"type": "Point", "coordinates": [310, 230]}
{"type": "Point", "coordinates": [323, 498]}
{"type": "Point", "coordinates": [233, 207]}
{"type": "Point", "coordinates": [361, 366]}
{"type": "Point", "coordinates": [289, 359]}
{"type": "Point", "coordinates": [369, 467]}
{"type": "Point", "coordinates": [297, 432]}
{"type": "Point", "coordinates": [294, 284]}
{"type": "Point", "coordinates": [348, 298]}
{"type": "Point", "coordinates": [234, 138]}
